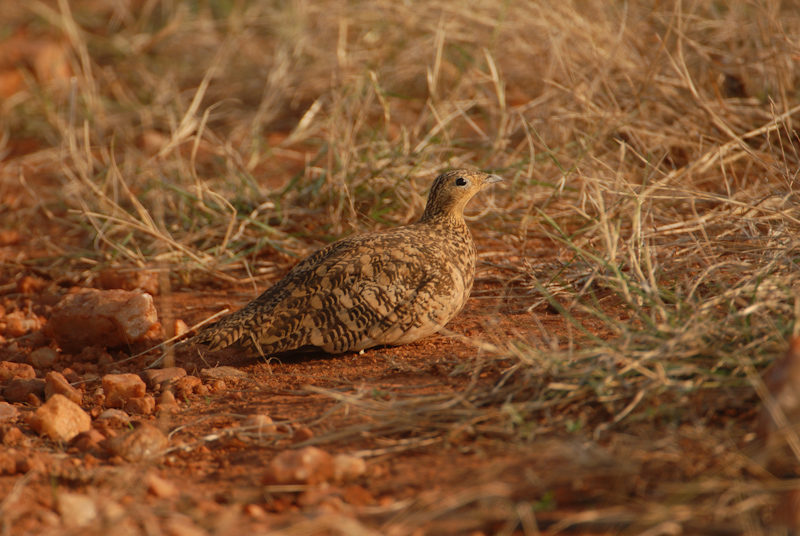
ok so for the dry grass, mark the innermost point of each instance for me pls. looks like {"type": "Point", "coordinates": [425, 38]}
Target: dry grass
{"type": "Point", "coordinates": [650, 144]}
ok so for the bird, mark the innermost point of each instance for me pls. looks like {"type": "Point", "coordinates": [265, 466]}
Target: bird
{"type": "Point", "coordinates": [388, 287]}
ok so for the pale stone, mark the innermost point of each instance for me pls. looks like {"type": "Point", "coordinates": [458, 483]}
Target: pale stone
{"type": "Point", "coordinates": [142, 405]}
{"type": "Point", "coordinates": [160, 487]}
{"type": "Point", "coordinates": [164, 378]}
{"type": "Point", "coordinates": [186, 386]}
{"type": "Point", "coordinates": [9, 371]}
{"type": "Point", "coordinates": [308, 465]}
{"type": "Point", "coordinates": [56, 383]}
{"type": "Point", "coordinates": [102, 318]}
{"type": "Point", "coordinates": [113, 418]}
{"type": "Point", "coordinates": [60, 419]}
{"type": "Point", "coordinates": [8, 412]}
{"type": "Point", "coordinates": [259, 425]}
{"type": "Point", "coordinates": [302, 434]}
{"type": "Point", "coordinates": [76, 510]}
{"type": "Point", "coordinates": [167, 403]}
{"type": "Point", "coordinates": [43, 358]}
{"type": "Point", "coordinates": [347, 468]}
{"type": "Point", "coordinates": [144, 280]}
{"type": "Point", "coordinates": [120, 387]}
{"type": "Point", "coordinates": [143, 443]}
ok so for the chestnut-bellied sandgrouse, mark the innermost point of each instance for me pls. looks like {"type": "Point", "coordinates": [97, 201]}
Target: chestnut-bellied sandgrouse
{"type": "Point", "coordinates": [388, 287]}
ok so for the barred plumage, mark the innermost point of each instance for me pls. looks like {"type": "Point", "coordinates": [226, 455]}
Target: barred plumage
{"type": "Point", "coordinates": [389, 287]}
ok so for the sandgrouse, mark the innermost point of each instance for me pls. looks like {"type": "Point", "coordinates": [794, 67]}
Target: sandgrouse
{"type": "Point", "coordinates": [388, 287]}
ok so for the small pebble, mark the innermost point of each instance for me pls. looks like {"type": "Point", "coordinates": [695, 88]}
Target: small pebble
{"type": "Point", "coordinates": [160, 487]}
{"type": "Point", "coordinates": [347, 468]}
{"type": "Point", "coordinates": [76, 510]}
{"type": "Point", "coordinates": [43, 358]}
{"type": "Point", "coordinates": [10, 435]}
{"type": "Point", "coordinates": [261, 425]}
{"type": "Point", "coordinates": [143, 405]}
{"type": "Point", "coordinates": [165, 377]}
{"type": "Point", "coordinates": [120, 387]}
{"type": "Point", "coordinates": [114, 418]}
{"type": "Point", "coordinates": [8, 412]}
{"type": "Point", "coordinates": [302, 434]}
{"type": "Point", "coordinates": [18, 389]}
{"type": "Point", "coordinates": [56, 383]}
{"type": "Point", "coordinates": [143, 443]}
{"type": "Point", "coordinates": [167, 403]}
{"type": "Point", "coordinates": [9, 371]}
{"type": "Point", "coordinates": [308, 465]}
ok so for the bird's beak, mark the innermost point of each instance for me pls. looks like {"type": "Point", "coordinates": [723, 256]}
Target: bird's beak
{"type": "Point", "coordinates": [492, 179]}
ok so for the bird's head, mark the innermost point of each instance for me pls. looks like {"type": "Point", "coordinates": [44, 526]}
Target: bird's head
{"type": "Point", "coordinates": [452, 190]}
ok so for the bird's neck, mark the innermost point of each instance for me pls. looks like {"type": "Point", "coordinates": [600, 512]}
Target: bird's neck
{"type": "Point", "coordinates": [448, 221]}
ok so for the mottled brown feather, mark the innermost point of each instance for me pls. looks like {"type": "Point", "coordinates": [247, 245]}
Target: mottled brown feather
{"type": "Point", "coordinates": [389, 287]}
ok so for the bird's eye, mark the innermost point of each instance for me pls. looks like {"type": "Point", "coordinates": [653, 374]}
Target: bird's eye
{"type": "Point", "coordinates": [461, 181]}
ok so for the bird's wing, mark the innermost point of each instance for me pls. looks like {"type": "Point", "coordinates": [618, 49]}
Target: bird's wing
{"type": "Point", "coordinates": [232, 328]}
{"type": "Point", "coordinates": [361, 300]}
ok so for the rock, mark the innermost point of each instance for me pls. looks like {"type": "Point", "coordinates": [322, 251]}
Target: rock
{"type": "Point", "coordinates": [135, 279]}
{"type": "Point", "coordinates": [56, 383]}
{"type": "Point", "coordinates": [180, 327]}
{"type": "Point", "coordinates": [8, 412]}
{"type": "Point", "coordinates": [167, 403]}
{"type": "Point", "coordinates": [31, 462]}
{"type": "Point", "coordinates": [102, 318]}
{"type": "Point", "coordinates": [17, 324]}
{"type": "Point", "coordinates": [73, 377]}
{"type": "Point", "coordinates": [186, 386]}
{"type": "Point", "coordinates": [347, 468]}
{"type": "Point", "coordinates": [114, 515]}
{"type": "Point", "coordinates": [60, 419]}
{"type": "Point", "coordinates": [302, 434]}
{"type": "Point", "coordinates": [143, 443]}
{"type": "Point", "coordinates": [76, 510]}
{"type": "Point", "coordinates": [143, 405]}
{"type": "Point", "coordinates": [120, 387]}
{"type": "Point", "coordinates": [9, 371]}
{"type": "Point", "coordinates": [30, 285]}
{"type": "Point", "coordinates": [217, 385]}
{"type": "Point", "coordinates": [114, 418]}
{"type": "Point", "coordinates": [308, 465]}
{"type": "Point", "coordinates": [260, 425]}
{"type": "Point", "coordinates": [9, 237]}
{"type": "Point", "coordinates": [254, 511]}
{"type": "Point", "coordinates": [88, 441]}
{"type": "Point", "coordinates": [94, 354]}
{"type": "Point", "coordinates": [8, 462]}
{"type": "Point", "coordinates": [43, 358]}
{"type": "Point", "coordinates": [10, 435]}
{"type": "Point", "coordinates": [18, 389]}
{"type": "Point", "coordinates": [358, 496]}
{"type": "Point", "coordinates": [164, 378]}
{"type": "Point", "coordinates": [160, 487]}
